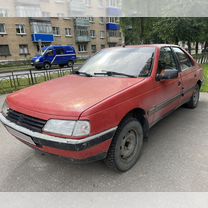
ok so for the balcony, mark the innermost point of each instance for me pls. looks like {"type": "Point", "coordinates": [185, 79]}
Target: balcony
{"type": "Point", "coordinates": [113, 11]}
{"type": "Point", "coordinates": [112, 26]}
{"type": "Point", "coordinates": [77, 8]}
{"type": "Point", "coordinates": [45, 38]}
{"type": "Point", "coordinates": [26, 2]}
{"type": "Point", "coordinates": [39, 19]}
{"type": "Point", "coordinates": [82, 22]}
{"type": "Point", "coordinates": [113, 39]}
{"type": "Point", "coordinates": [83, 39]}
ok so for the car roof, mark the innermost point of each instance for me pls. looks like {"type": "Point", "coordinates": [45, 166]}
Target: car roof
{"type": "Point", "coordinates": [147, 45]}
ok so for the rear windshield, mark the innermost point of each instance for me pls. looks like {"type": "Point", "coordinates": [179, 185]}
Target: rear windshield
{"type": "Point", "coordinates": [133, 61]}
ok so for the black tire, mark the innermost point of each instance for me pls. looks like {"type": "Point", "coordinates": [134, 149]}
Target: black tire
{"type": "Point", "coordinates": [38, 67]}
{"type": "Point", "coordinates": [47, 66]}
{"type": "Point", "coordinates": [70, 64]}
{"type": "Point", "coordinates": [193, 103]}
{"type": "Point", "coordinates": [126, 146]}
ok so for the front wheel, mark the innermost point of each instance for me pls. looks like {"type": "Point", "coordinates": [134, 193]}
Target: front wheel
{"type": "Point", "coordinates": [47, 66]}
{"type": "Point", "coordinates": [126, 146]}
{"type": "Point", "coordinates": [193, 103]}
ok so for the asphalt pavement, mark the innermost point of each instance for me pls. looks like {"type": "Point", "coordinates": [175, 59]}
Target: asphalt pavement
{"type": "Point", "coordinates": [175, 158]}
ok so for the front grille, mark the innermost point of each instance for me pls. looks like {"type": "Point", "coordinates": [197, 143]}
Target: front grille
{"type": "Point", "coordinates": [28, 122]}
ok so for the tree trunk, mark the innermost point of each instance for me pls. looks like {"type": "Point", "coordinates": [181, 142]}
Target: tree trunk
{"type": "Point", "coordinates": [176, 40]}
{"type": "Point", "coordinates": [142, 30]}
{"type": "Point", "coordinates": [197, 48]}
{"type": "Point", "coordinates": [189, 47]}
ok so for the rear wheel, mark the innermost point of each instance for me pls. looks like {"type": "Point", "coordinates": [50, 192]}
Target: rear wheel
{"type": "Point", "coordinates": [70, 64]}
{"type": "Point", "coordinates": [47, 66]}
{"type": "Point", "coordinates": [193, 103]}
{"type": "Point", "coordinates": [126, 146]}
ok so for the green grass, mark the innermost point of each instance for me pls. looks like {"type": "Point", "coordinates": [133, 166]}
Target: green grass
{"type": "Point", "coordinates": [205, 84]}
{"type": "Point", "coordinates": [10, 68]}
{"type": "Point", "coordinates": [5, 86]}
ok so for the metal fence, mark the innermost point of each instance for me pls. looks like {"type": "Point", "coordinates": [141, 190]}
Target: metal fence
{"type": "Point", "coordinates": [16, 80]}
{"type": "Point", "coordinates": [202, 58]}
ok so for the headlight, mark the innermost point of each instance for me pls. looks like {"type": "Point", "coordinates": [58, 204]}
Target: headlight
{"type": "Point", "coordinates": [37, 60]}
{"type": "Point", "coordinates": [5, 109]}
{"type": "Point", "coordinates": [67, 128]}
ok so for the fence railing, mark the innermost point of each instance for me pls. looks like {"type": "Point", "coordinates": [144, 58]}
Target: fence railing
{"type": "Point", "coordinates": [12, 81]}
{"type": "Point", "coordinates": [202, 58]}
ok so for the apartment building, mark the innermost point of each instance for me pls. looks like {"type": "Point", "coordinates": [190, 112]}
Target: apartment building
{"type": "Point", "coordinates": [21, 38]}
{"type": "Point", "coordinates": [60, 8]}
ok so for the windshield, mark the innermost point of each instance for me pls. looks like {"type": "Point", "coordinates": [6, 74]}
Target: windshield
{"type": "Point", "coordinates": [43, 51]}
{"type": "Point", "coordinates": [136, 62]}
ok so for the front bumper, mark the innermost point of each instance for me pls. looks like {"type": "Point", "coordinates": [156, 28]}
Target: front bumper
{"type": "Point", "coordinates": [38, 64]}
{"type": "Point", "coordinates": [93, 147]}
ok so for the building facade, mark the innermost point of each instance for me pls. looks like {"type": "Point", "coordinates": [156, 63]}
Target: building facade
{"type": "Point", "coordinates": [60, 8]}
{"type": "Point", "coordinates": [21, 38]}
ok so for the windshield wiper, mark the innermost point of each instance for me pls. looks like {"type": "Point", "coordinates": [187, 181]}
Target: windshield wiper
{"type": "Point", "coordinates": [83, 73]}
{"type": "Point", "coordinates": [111, 73]}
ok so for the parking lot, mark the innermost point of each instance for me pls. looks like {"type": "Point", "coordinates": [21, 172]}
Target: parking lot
{"type": "Point", "coordinates": [175, 158]}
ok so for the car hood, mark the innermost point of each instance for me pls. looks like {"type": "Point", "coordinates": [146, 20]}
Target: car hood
{"type": "Point", "coordinates": [68, 96]}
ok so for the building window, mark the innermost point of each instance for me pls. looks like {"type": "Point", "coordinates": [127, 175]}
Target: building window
{"type": "Point", "coordinates": [60, 15]}
{"type": "Point", "coordinates": [113, 19]}
{"type": "Point", "coordinates": [39, 27]}
{"type": "Point", "coordinates": [91, 19]}
{"type": "Point", "coordinates": [113, 3]}
{"type": "Point", "coordinates": [92, 33]}
{"type": "Point", "coordinates": [101, 20]}
{"type": "Point", "coordinates": [28, 11]}
{"type": "Point", "coordinates": [88, 3]}
{"type": "Point", "coordinates": [46, 14]}
{"type": "Point", "coordinates": [82, 47]}
{"type": "Point", "coordinates": [56, 31]}
{"type": "Point", "coordinates": [3, 13]}
{"type": "Point", "coordinates": [93, 48]}
{"type": "Point", "coordinates": [4, 50]}
{"type": "Point", "coordinates": [101, 4]}
{"type": "Point", "coordinates": [82, 31]}
{"type": "Point", "coordinates": [111, 45]}
{"type": "Point", "coordinates": [2, 29]}
{"type": "Point", "coordinates": [102, 34]}
{"type": "Point", "coordinates": [23, 49]}
{"type": "Point", "coordinates": [102, 46]}
{"type": "Point", "coordinates": [59, 1]}
{"type": "Point", "coordinates": [68, 32]}
{"type": "Point", "coordinates": [20, 29]}
{"type": "Point", "coordinates": [114, 33]}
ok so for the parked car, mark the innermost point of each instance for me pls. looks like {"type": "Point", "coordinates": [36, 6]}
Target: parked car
{"type": "Point", "coordinates": [106, 109]}
{"type": "Point", "coordinates": [55, 55]}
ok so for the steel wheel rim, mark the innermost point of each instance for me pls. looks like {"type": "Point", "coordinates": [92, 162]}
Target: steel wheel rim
{"type": "Point", "coordinates": [196, 96]}
{"type": "Point", "coordinates": [47, 66]}
{"type": "Point", "coordinates": [128, 145]}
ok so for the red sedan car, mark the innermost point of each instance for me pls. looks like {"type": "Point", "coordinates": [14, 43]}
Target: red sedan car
{"type": "Point", "coordinates": [105, 110]}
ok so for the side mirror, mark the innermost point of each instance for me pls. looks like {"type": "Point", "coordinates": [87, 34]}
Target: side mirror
{"type": "Point", "coordinates": [167, 74]}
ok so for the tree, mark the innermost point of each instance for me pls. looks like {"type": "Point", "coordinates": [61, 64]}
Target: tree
{"type": "Point", "coordinates": [165, 30]}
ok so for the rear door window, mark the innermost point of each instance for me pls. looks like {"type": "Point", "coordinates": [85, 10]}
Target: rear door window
{"type": "Point", "coordinates": [184, 60]}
